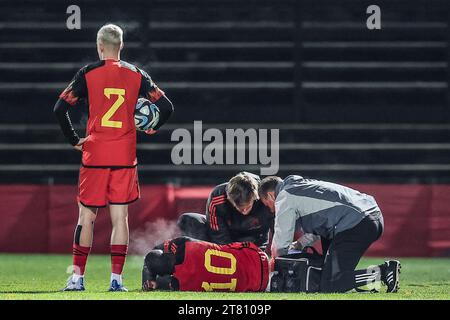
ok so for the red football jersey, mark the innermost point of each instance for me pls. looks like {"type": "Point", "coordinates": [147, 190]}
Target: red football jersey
{"type": "Point", "coordinates": [111, 89]}
{"type": "Point", "coordinates": [211, 267]}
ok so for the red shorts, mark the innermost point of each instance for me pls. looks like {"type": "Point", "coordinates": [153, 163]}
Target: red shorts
{"type": "Point", "coordinates": [98, 187]}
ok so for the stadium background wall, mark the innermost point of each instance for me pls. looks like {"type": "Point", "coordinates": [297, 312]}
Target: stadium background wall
{"type": "Point", "coordinates": [354, 106]}
{"type": "Point", "coordinates": [40, 218]}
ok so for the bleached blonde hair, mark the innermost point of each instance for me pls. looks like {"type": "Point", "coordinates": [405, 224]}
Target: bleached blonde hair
{"type": "Point", "coordinates": [110, 34]}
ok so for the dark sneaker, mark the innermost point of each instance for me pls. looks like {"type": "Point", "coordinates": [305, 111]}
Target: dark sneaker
{"type": "Point", "coordinates": [392, 275]}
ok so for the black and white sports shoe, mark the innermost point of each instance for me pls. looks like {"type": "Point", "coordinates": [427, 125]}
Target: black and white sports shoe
{"type": "Point", "coordinates": [392, 275]}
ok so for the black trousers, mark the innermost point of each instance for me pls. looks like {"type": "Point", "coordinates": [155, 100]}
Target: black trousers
{"type": "Point", "coordinates": [193, 225]}
{"type": "Point", "coordinates": [343, 253]}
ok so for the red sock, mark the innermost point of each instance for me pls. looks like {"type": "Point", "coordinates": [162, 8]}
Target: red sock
{"type": "Point", "coordinates": [80, 255]}
{"type": "Point", "coordinates": [118, 255]}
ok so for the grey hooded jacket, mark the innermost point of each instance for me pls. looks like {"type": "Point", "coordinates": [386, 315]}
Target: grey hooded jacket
{"type": "Point", "coordinates": [317, 207]}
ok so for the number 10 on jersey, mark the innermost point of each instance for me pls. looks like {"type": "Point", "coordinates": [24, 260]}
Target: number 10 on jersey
{"type": "Point", "coordinates": [220, 270]}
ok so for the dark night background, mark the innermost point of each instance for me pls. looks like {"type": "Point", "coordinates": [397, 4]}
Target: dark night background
{"type": "Point", "coordinates": [351, 104]}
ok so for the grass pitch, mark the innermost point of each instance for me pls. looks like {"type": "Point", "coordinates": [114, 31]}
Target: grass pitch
{"type": "Point", "coordinates": [42, 276]}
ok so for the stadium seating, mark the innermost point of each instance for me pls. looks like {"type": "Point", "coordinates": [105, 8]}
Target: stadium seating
{"type": "Point", "coordinates": [352, 104]}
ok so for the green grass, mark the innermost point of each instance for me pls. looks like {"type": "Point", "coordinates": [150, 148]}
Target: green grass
{"type": "Point", "coordinates": [41, 277]}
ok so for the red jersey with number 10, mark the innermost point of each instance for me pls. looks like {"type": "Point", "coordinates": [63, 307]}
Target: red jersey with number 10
{"type": "Point", "coordinates": [211, 267]}
{"type": "Point", "coordinates": [111, 89]}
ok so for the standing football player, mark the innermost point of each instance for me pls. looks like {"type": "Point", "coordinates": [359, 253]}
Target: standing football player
{"type": "Point", "coordinates": [108, 173]}
{"type": "Point", "coordinates": [187, 264]}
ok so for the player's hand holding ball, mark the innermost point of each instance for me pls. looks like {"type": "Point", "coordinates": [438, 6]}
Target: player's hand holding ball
{"type": "Point", "coordinates": [150, 131]}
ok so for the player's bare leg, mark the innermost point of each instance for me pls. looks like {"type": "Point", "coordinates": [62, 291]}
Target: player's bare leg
{"type": "Point", "coordinates": [81, 246]}
{"type": "Point", "coordinates": [86, 219]}
{"type": "Point", "coordinates": [119, 244]}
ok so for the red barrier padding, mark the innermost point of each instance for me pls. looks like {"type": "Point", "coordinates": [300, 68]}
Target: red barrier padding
{"type": "Point", "coordinates": [438, 224]}
{"type": "Point", "coordinates": [24, 220]}
{"type": "Point", "coordinates": [406, 212]}
{"type": "Point", "coordinates": [39, 218]}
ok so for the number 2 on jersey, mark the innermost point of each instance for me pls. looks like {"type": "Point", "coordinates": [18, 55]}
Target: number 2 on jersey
{"type": "Point", "coordinates": [120, 93]}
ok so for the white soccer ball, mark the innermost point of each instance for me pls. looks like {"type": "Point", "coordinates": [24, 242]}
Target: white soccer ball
{"type": "Point", "coordinates": [146, 115]}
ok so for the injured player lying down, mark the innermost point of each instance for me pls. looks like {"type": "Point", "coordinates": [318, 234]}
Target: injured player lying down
{"type": "Point", "coordinates": [187, 264]}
